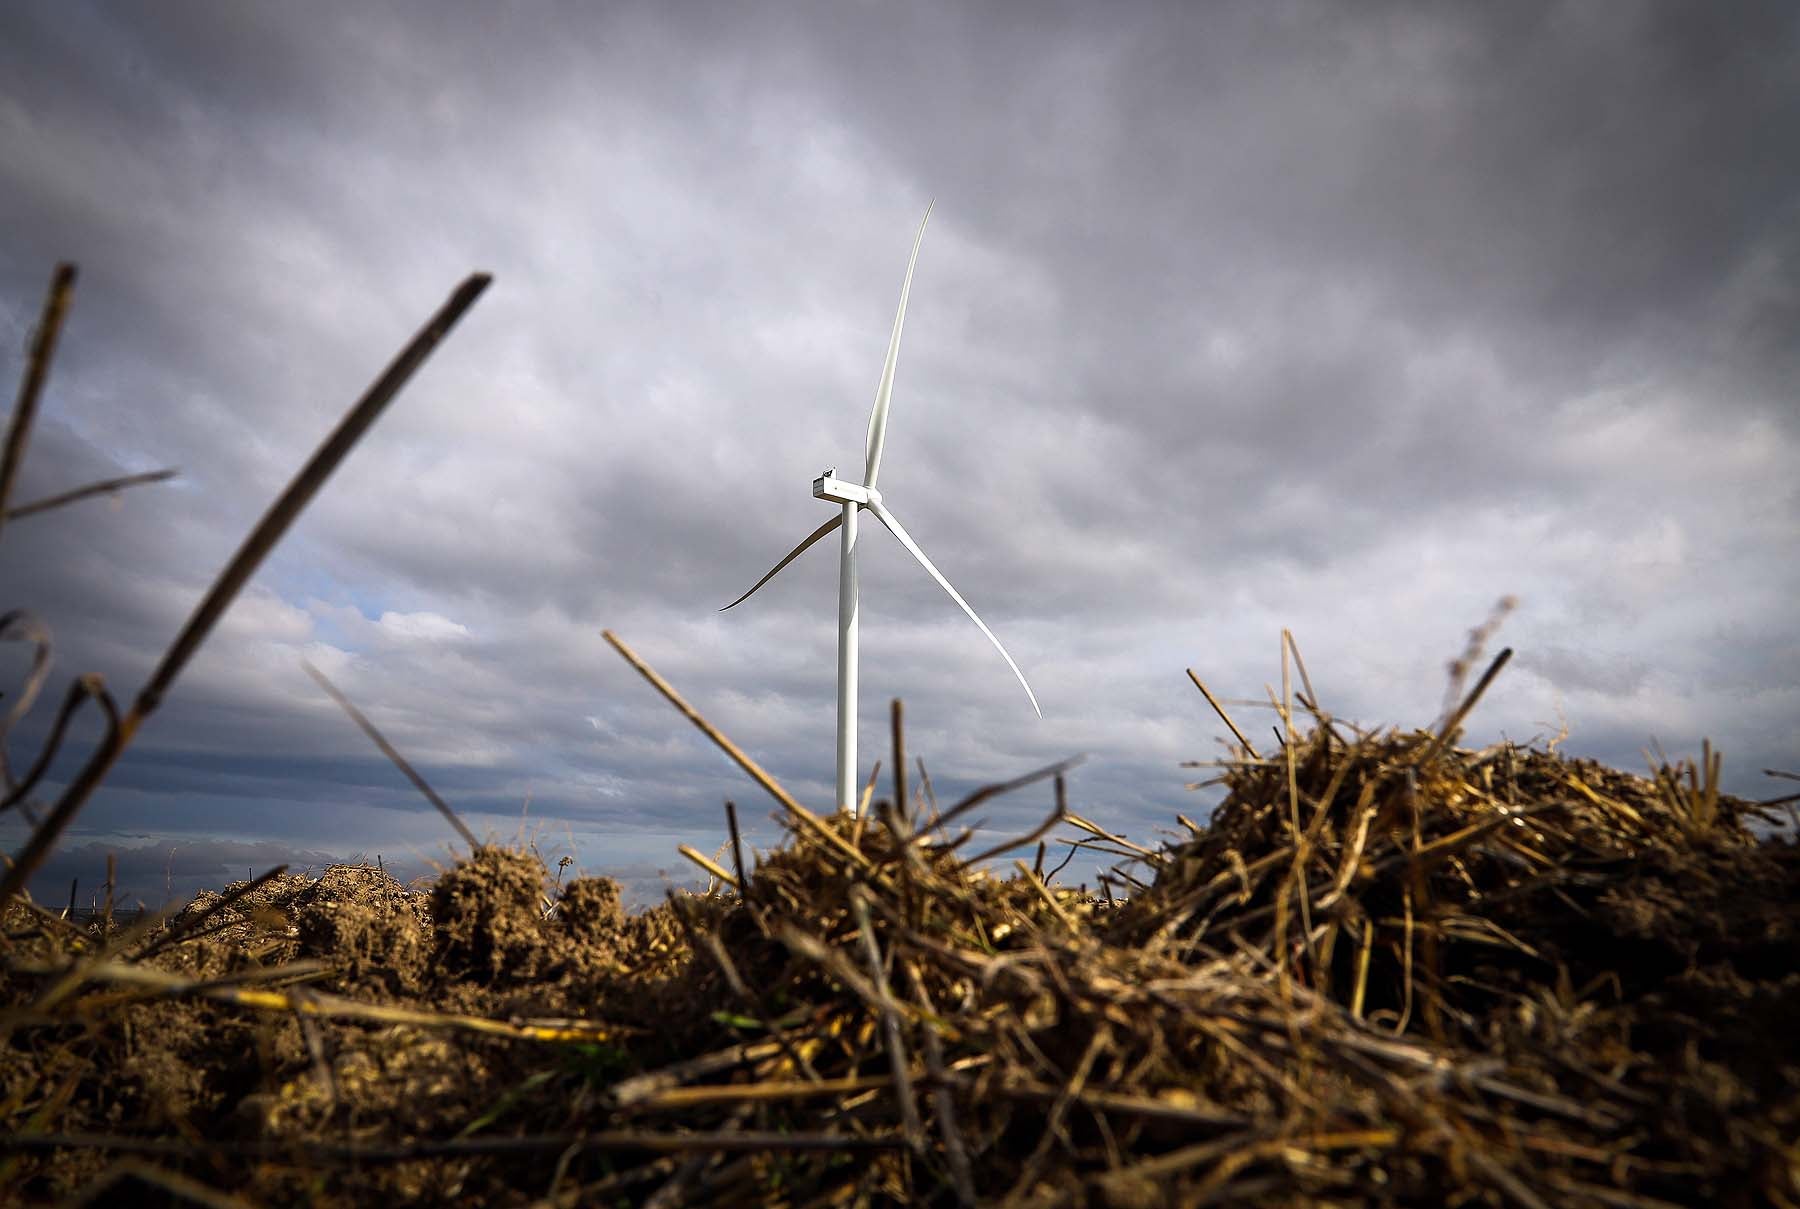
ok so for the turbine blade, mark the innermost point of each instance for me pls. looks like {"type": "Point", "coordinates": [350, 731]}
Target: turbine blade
{"type": "Point", "coordinates": [879, 417]}
{"type": "Point", "coordinates": [893, 526]}
{"type": "Point", "coordinates": [796, 552]}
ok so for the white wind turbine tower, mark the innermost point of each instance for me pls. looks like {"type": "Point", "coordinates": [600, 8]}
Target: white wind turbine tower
{"type": "Point", "coordinates": [852, 498]}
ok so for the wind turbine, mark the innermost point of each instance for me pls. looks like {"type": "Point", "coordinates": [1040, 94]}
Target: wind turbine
{"type": "Point", "coordinates": [852, 498]}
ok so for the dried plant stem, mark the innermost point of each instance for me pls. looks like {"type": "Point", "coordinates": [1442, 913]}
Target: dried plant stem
{"type": "Point", "coordinates": [712, 867]}
{"type": "Point", "coordinates": [995, 790]}
{"type": "Point", "coordinates": [737, 848]}
{"type": "Point", "coordinates": [902, 807]}
{"type": "Point", "coordinates": [801, 815]}
{"type": "Point", "coordinates": [332, 1006]}
{"type": "Point", "coordinates": [930, 793]}
{"type": "Point", "coordinates": [769, 1092]}
{"type": "Point", "coordinates": [956, 1150]}
{"type": "Point", "coordinates": [1223, 716]}
{"type": "Point", "coordinates": [898, 1060]}
{"type": "Point", "coordinates": [31, 387]}
{"type": "Point", "coordinates": [388, 750]}
{"type": "Point", "coordinates": [1042, 891]}
{"type": "Point", "coordinates": [1447, 732]}
{"type": "Point", "coordinates": [104, 487]}
{"type": "Point", "coordinates": [1058, 815]}
{"type": "Point", "coordinates": [85, 687]}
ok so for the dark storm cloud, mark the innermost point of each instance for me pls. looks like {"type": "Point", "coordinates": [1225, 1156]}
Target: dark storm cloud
{"type": "Point", "coordinates": [1229, 318]}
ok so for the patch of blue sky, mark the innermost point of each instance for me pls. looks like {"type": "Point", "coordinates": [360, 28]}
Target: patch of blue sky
{"type": "Point", "coordinates": [299, 576]}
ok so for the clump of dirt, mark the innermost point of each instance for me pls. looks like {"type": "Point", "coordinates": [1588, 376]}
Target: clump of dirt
{"type": "Point", "coordinates": [486, 915]}
{"type": "Point", "coordinates": [1389, 971]}
{"type": "Point", "coordinates": [368, 925]}
{"type": "Point", "coordinates": [590, 908]}
{"type": "Point", "coordinates": [591, 917]}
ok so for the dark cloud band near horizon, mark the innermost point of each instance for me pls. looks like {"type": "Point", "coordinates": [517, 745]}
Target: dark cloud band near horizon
{"type": "Point", "coordinates": [1348, 320]}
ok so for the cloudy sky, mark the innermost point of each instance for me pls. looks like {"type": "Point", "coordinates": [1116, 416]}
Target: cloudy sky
{"type": "Point", "coordinates": [1350, 319]}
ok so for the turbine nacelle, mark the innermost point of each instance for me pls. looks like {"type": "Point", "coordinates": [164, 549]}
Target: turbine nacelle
{"type": "Point", "coordinates": [829, 487]}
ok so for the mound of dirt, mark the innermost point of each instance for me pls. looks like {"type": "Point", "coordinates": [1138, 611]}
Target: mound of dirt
{"type": "Point", "coordinates": [488, 916]}
{"type": "Point", "coordinates": [366, 924]}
